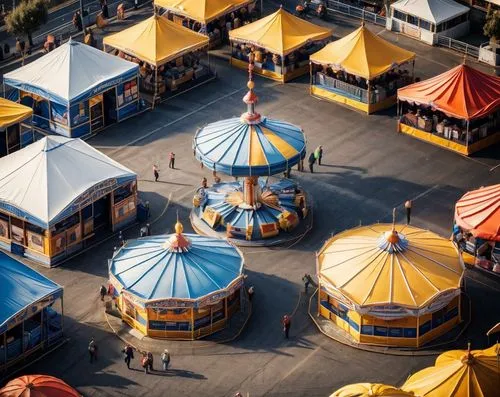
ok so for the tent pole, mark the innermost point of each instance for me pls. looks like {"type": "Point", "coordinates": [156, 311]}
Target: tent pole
{"type": "Point", "coordinates": [467, 135]}
{"type": "Point", "coordinates": [156, 86]}
{"type": "Point", "coordinates": [310, 77]}
{"type": "Point", "coordinates": [62, 313]}
{"type": "Point", "coordinates": [283, 66]}
{"type": "Point", "coordinates": [413, 71]}
{"type": "Point", "coordinates": [231, 56]}
{"type": "Point", "coordinates": [116, 102]}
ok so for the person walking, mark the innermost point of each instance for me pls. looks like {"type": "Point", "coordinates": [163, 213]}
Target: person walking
{"type": "Point", "coordinates": [92, 350]}
{"type": "Point", "coordinates": [165, 359]}
{"type": "Point", "coordinates": [251, 292]}
{"type": "Point", "coordinates": [408, 204]}
{"type": "Point", "coordinates": [318, 154]}
{"type": "Point", "coordinates": [156, 172]}
{"type": "Point", "coordinates": [129, 354]}
{"type": "Point", "coordinates": [150, 361]}
{"type": "Point", "coordinates": [311, 161]}
{"type": "Point", "coordinates": [77, 21]}
{"type": "Point", "coordinates": [306, 280]}
{"type": "Point", "coordinates": [102, 291]}
{"type": "Point", "coordinates": [145, 362]}
{"type": "Point", "coordinates": [286, 325]}
{"type": "Point", "coordinates": [171, 163]}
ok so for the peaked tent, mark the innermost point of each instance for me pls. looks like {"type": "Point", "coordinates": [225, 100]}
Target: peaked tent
{"type": "Point", "coordinates": [71, 73]}
{"type": "Point", "coordinates": [435, 11]}
{"type": "Point", "coordinates": [362, 53]}
{"type": "Point", "coordinates": [21, 287]}
{"type": "Point", "coordinates": [203, 11]}
{"type": "Point", "coordinates": [280, 33]}
{"type": "Point", "coordinates": [478, 212]}
{"type": "Point", "coordinates": [462, 92]}
{"type": "Point", "coordinates": [156, 40]}
{"type": "Point", "coordinates": [12, 113]}
{"type": "Point", "coordinates": [46, 181]}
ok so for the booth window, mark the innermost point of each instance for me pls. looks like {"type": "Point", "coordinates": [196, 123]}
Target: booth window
{"type": "Point", "coordinates": [4, 225]}
{"type": "Point", "coordinates": [424, 328]}
{"type": "Point", "coordinates": [412, 20]}
{"type": "Point", "coordinates": [17, 230]}
{"type": "Point", "coordinates": [400, 15]}
{"type": "Point", "coordinates": [425, 25]}
{"type": "Point", "coordinates": [35, 237]}
{"type": "Point", "coordinates": [59, 113]}
{"type": "Point", "coordinates": [79, 113]}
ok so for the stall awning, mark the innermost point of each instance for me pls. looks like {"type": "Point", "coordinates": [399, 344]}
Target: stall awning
{"type": "Point", "coordinates": [380, 266]}
{"type": "Point", "coordinates": [435, 11]}
{"type": "Point", "coordinates": [462, 92]}
{"type": "Point", "coordinates": [71, 73]}
{"type": "Point", "coordinates": [12, 113]}
{"type": "Point", "coordinates": [362, 53]}
{"type": "Point", "coordinates": [43, 182]}
{"type": "Point", "coordinates": [280, 33]}
{"type": "Point", "coordinates": [156, 40]}
{"type": "Point", "coordinates": [478, 211]}
{"type": "Point", "coordinates": [20, 287]}
{"type": "Point", "coordinates": [202, 11]}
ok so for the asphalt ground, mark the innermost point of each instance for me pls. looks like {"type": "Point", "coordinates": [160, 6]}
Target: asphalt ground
{"type": "Point", "coordinates": [368, 170]}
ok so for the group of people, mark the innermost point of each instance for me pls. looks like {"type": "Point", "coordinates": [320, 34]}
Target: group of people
{"type": "Point", "coordinates": [171, 164]}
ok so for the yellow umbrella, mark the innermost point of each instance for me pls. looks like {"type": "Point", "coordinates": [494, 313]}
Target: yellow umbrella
{"type": "Point", "coordinates": [363, 54]}
{"type": "Point", "coordinates": [156, 40]}
{"type": "Point", "coordinates": [459, 373]}
{"type": "Point", "coordinates": [386, 264]}
{"type": "Point", "coordinates": [370, 390]}
{"type": "Point", "coordinates": [12, 113]}
{"type": "Point", "coordinates": [280, 33]}
{"type": "Point", "coordinates": [202, 11]}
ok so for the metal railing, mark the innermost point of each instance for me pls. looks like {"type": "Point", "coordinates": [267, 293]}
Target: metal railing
{"type": "Point", "coordinates": [334, 6]}
{"type": "Point", "coordinates": [459, 46]}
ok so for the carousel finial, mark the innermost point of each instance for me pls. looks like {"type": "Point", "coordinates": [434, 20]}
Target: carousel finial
{"type": "Point", "coordinates": [250, 97]}
{"type": "Point", "coordinates": [178, 226]}
{"type": "Point", "coordinates": [393, 219]}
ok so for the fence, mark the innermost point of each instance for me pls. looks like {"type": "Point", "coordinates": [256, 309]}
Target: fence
{"type": "Point", "coordinates": [334, 6]}
{"type": "Point", "coordinates": [459, 46]}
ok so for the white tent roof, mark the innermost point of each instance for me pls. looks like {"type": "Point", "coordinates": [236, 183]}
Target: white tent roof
{"type": "Point", "coordinates": [435, 11]}
{"type": "Point", "coordinates": [69, 72]}
{"type": "Point", "coordinates": [42, 181]}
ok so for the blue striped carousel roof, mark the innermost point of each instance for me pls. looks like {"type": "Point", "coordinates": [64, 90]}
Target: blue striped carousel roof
{"type": "Point", "coordinates": [156, 268]}
{"type": "Point", "coordinates": [238, 148]}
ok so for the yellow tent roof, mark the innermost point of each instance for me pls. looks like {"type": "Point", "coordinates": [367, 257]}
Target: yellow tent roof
{"type": "Point", "coordinates": [363, 54]}
{"type": "Point", "coordinates": [12, 113]}
{"type": "Point", "coordinates": [459, 373]}
{"type": "Point", "coordinates": [156, 40]}
{"type": "Point", "coordinates": [370, 390]}
{"type": "Point", "coordinates": [280, 33]}
{"type": "Point", "coordinates": [373, 266]}
{"type": "Point", "coordinates": [202, 11]}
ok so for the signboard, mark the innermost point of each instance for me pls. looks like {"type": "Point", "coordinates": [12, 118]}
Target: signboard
{"type": "Point", "coordinates": [411, 30]}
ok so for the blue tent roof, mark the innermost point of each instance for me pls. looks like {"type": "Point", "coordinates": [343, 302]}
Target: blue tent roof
{"type": "Point", "coordinates": [21, 286]}
{"type": "Point", "coordinates": [239, 148]}
{"type": "Point", "coordinates": [152, 268]}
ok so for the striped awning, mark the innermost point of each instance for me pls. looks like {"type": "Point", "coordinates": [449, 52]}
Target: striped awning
{"type": "Point", "coordinates": [237, 148]}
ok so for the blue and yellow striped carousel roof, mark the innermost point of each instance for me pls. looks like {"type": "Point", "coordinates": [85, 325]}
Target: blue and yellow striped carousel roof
{"type": "Point", "coordinates": [238, 148]}
{"type": "Point", "coordinates": [181, 267]}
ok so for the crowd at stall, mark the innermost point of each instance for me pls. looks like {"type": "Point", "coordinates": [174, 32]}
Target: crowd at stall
{"type": "Point", "coordinates": [487, 253]}
{"type": "Point", "coordinates": [381, 87]}
{"type": "Point", "coordinates": [436, 122]}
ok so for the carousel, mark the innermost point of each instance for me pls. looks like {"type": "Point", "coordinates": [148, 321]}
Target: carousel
{"type": "Point", "coordinates": [254, 148]}
{"type": "Point", "coordinates": [477, 228]}
{"type": "Point", "coordinates": [456, 373]}
{"type": "Point", "coordinates": [390, 285]}
{"type": "Point", "coordinates": [177, 286]}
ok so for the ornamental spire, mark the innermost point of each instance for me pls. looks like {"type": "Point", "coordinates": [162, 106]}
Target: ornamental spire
{"type": "Point", "coordinates": [250, 117]}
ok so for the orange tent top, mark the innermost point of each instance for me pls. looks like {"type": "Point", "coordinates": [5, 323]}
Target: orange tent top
{"type": "Point", "coordinates": [461, 92]}
{"type": "Point", "coordinates": [479, 212]}
{"type": "Point", "coordinates": [38, 386]}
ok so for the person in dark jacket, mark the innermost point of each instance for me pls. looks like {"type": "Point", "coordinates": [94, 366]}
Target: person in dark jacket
{"type": "Point", "coordinates": [312, 160]}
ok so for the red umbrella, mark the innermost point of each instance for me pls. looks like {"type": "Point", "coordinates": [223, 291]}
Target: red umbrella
{"type": "Point", "coordinates": [38, 386]}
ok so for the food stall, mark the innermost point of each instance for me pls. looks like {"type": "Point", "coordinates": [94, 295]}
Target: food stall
{"type": "Point", "coordinates": [171, 57]}
{"type": "Point", "coordinates": [15, 126]}
{"type": "Point", "coordinates": [458, 110]}
{"type": "Point", "coordinates": [58, 195]}
{"type": "Point", "coordinates": [280, 44]}
{"type": "Point", "coordinates": [76, 90]}
{"type": "Point", "coordinates": [477, 228]}
{"type": "Point", "coordinates": [211, 17]}
{"type": "Point", "coordinates": [361, 70]}
{"type": "Point", "coordinates": [458, 373]}
{"type": "Point", "coordinates": [177, 286]}
{"type": "Point", "coordinates": [252, 147]}
{"type": "Point", "coordinates": [31, 313]}
{"type": "Point", "coordinates": [426, 20]}
{"type": "Point", "coordinates": [390, 285]}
